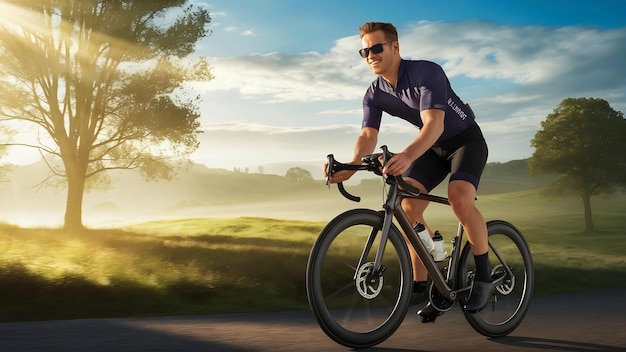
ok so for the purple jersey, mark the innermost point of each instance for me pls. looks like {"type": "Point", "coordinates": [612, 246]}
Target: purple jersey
{"type": "Point", "coordinates": [421, 85]}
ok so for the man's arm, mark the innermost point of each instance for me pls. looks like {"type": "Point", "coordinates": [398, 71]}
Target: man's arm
{"type": "Point", "coordinates": [365, 144]}
{"type": "Point", "coordinates": [433, 120]}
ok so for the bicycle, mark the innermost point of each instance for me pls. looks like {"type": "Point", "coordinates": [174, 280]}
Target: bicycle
{"type": "Point", "coordinates": [359, 273]}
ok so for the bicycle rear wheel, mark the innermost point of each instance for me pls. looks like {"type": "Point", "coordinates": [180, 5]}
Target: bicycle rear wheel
{"type": "Point", "coordinates": [352, 306]}
{"type": "Point", "coordinates": [512, 296]}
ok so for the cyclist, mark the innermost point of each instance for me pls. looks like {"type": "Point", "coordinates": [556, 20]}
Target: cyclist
{"type": "Point", "coordinates": [449, 142]}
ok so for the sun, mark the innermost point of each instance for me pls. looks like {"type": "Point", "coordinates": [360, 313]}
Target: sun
{"type": "Point", "coordinates": [15, 16]}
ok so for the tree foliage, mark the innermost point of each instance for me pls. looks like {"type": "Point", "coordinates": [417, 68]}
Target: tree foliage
{"type": "Point", "coordinates": [583, 143]}
{"type": "Point", "coordinates": [101, 85]}
{"type": "Point", "coordinates": [5, 137]}
{"type": "Point", "coordinates": [298, 174]}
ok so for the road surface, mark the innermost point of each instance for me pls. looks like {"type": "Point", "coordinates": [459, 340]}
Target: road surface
{"type": "Point", "coordinates": [590, 321]}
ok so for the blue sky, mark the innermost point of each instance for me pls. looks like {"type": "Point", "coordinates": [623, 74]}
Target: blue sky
{"type": "Point", "coordinates": [292, 27]}
{"type": "Point", "coordinates": [289, 81]}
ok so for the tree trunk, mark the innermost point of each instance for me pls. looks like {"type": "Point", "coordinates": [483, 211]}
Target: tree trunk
{"type": "Point", "coordinates": [588, 217]}
{"type": "Point", "coordinates": [74, 205]}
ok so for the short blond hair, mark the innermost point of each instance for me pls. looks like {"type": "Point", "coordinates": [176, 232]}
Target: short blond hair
{"type": "Point", "coordinates": [390, 31]}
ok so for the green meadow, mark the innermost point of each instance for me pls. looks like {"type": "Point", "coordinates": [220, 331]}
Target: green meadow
{"type": "Point", "coordinates": [257, 264]}
{"type": "Point", "coordinates": [192, 266]}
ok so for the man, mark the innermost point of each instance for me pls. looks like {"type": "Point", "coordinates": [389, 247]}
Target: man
{"type": "Point", "coordinates": [449, 142]}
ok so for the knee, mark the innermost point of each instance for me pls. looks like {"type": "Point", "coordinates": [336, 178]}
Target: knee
{"type": "Point", "coordinates": [462, 197]}
{"type": "Point", "coordinates": [463, 207]}
{"type": "Point", "coordinates": [414, 209]}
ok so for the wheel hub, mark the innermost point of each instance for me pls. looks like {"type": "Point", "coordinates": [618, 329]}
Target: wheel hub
{"type": "Point", "coordinates": [507, 285]}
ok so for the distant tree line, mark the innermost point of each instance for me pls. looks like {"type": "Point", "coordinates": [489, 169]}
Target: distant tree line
{"type": "Point", "coordinates": [245, 170]}
{"type": "Point", "coordinates": [298, 174]}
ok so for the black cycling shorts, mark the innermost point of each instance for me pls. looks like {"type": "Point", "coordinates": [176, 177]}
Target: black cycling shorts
{"type": "Point", "coordinates": [463, 157]}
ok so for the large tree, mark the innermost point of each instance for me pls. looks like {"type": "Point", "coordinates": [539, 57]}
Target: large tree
{"type": "Point", "coordinates": [101, 83]}
{"type": "Point", "coordinates": [583, 142]}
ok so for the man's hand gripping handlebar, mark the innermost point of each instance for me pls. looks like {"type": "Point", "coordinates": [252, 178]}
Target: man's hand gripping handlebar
{"type": "Point", "coordinates": [373, 163]}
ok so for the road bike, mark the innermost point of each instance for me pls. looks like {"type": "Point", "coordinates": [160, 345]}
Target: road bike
{"type": "Point", "coordinates": [359, 274]}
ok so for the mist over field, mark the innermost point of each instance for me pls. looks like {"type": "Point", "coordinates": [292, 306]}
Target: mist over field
{"type": "Point", "coordinates": [197, 192]}
{"type": "Point", "coordinates": [214, 227]}
{"type": "Point", "coordinates": [201, 192]}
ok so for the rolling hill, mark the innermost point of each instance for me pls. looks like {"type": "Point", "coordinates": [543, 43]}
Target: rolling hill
{"type": "Point", "coordinates": [205, 192]}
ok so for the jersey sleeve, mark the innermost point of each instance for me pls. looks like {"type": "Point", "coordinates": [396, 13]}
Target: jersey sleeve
{"type": "Point", "coordinates": [434, 89]}
{"type": "Point", "coordinates": [372, 115]}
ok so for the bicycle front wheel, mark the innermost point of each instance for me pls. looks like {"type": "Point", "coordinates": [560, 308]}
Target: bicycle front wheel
{"type": "Point", "coordinates": [353, 305]}
{"type": "Point", "coordinates": [512, 270]}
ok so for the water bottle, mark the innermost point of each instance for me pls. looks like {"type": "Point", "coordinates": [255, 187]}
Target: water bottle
{"type": "Point", "coordinates": [439, 254]}
{"type": "Point", "coordinates": [424, 236]}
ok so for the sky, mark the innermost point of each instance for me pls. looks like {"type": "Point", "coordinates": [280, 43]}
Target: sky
{"type": "Point", "coordinates": [289, 82]}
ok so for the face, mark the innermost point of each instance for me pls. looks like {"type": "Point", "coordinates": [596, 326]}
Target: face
{"type": "Point", "coordinates": [382, 62]}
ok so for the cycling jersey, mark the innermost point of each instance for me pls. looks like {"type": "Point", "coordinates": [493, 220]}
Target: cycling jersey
{"type": "Point", "coordinates": [421, 85]}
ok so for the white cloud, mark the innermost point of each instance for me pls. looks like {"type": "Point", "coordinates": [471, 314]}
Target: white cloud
{"type": "Point", "coordinates": [527, 123]}
{"type": "Point", "coordinates": [238, 143]}
{"type": "Point", "coordinates": [245, 33]}
{"type": "Point", "coordinates": [269, 130]}
{"type": "Point", "coordinates": [514, 75]}
{"type": "Point", "coordinates": [485, 50]}
{"type": "Point", "coordinates": [218, 14]}
{"type": "Point", "coordinates": [554, 57]}
{"type": "Point", "coordinates": [341, 112]}
{"type": "Point", "coordinates": [277, 77]}
{"type": "Point", "coordinates": [527, 56]}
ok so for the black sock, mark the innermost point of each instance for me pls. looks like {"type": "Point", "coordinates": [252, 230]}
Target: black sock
{"type": "Point", "coordinates": [419, 286]}
{"type": "Point", "coordinates": [483, 273]}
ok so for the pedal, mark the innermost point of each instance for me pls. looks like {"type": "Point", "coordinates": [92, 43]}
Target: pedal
{"type": "Point", "coordinates": [428, 319]}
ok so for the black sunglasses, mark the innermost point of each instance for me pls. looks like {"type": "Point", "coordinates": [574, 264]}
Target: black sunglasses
{"type": "Point", "coordinates": [376, 49]}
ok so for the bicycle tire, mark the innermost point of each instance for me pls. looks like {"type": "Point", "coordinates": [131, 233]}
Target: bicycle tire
{"type": "Point", "coordinates": [338, 301]}
{"type": "Point", "coordinates": [511, 299]}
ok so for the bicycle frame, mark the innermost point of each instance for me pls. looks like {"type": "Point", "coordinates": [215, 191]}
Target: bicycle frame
{"type": "Point", "coordinates": [393, 209]}
{"type": "Point", "coordinates": [341, 296]}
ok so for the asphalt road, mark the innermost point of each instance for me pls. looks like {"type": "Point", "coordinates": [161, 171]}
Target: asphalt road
{"type": "Point", "coordinates": [591, 321]}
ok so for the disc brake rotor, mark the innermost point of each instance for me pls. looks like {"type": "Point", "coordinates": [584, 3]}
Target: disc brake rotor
{"type": "Point", "coordinates": [368, 287]}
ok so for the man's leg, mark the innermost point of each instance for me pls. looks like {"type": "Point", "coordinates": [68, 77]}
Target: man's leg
{"type": "Point", "coordinates": [414, 209]}
{"type": "Point", "coordinates": [430, 169]}
{"type": "Point", "coordinates": [462, 195]}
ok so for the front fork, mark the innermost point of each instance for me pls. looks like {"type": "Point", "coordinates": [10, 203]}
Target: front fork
{"type": "Point", "coordinates": [377, 268]}
{"type": "Point", "coordinates": [387, 212]}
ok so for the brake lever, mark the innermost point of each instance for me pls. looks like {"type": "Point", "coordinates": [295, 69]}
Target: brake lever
{"type": "Point", "coordinates": [386, 156]}
{"type": "Point", "coordinates": [385, 152]}
{"type": "Point", "coordinates": [329, 168]}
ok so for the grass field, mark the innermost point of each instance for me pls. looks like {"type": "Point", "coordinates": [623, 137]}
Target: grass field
{"type": "Point", "coordinates": [206, 265]}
